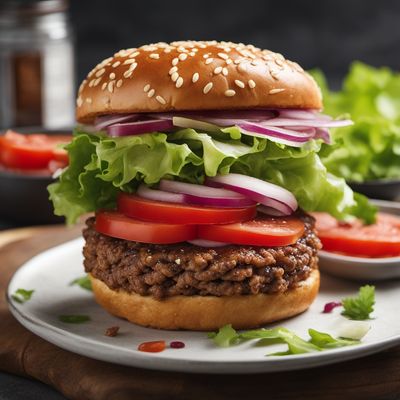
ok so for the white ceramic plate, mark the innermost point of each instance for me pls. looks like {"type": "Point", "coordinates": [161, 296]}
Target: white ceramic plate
{"type": "Point", "coordinates": [50, 273]}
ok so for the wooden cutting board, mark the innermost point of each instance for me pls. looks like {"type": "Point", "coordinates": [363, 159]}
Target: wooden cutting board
{"type": "Point", "coordinates": [81, 378]}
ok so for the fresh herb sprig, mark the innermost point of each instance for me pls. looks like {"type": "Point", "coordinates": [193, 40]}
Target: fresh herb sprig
{"type": "Point", "coordinates": [360, 308]}
{"type": "Point", "coordinates": [22, 295]}
{"type": "Point", "coordinates": [83, 281]}
{"type": "Point", "coordinates": [74, 319]}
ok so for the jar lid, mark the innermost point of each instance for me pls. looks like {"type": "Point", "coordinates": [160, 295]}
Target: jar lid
{"type": "Point", "coordinates": [32, 7]}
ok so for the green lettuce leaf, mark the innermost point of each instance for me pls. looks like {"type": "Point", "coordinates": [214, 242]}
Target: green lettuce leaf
{"type": "Point", "coordinates": [370, 149]}
{"type": "Point", "coordinates": [100, 166]}
{"type": "Point", "coordinates": [319, 341]}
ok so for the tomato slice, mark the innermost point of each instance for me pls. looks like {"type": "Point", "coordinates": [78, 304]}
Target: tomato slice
{"type": "Point", "coordinates": [151, 210]}
{"type": "Point", "coordinates": [381, 239]}
{"type": "Point", "coordinates": [115, 224]}
{"type": "Point", "coordinates": [33, 151]}
{"type": "Point", "coordinates": [260, 231]}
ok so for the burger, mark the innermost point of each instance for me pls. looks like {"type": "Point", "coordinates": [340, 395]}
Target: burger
{"type": "Point", "coordinates": [200, 161]}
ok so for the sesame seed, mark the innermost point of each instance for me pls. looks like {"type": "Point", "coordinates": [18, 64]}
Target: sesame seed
{"type": "Point", "coordinates": [217, 70]}
{"type": "Point", "coordinates": [119, 83]}
{"type": "Point", "coordinates": [175, 61]}
{"type": "Point", "coordinates": [225, 71]}
{"type": "Point", "coordinates": [97, 81]}
{"type": "Point", "coordinates": [103, 86]}
{"type": "Point", "coordinates": [208, 87]}
{"type": "Point", "coordinates": [174, 76]}
{"type": "Point", "coordinates": [133, 55]}
{"type": "Point", "coordinates": [172, 70]}
{"type": "Point", "coordinates": [88, 100]}
{"type": "Point", "coordinates": [167, 50]}
{"type": "Point", "coordinates": [238, 61]}
{"type": "Point", "coordinates": [110, 86]}
{"type": "Point", "coordinates": [254, 63]}
{"type": "Point", "coordinates": [192, 54]}
{"type": "Point", "coordinates": [239, 83]}
{"type": "Point", "coordinates": [229, 61]}
{"type": "Point", "coordinates": [182, 56]}
{"type": "Point", "coordinates": [274, 91]}
{"type": "Point", "coordinates": [206, 56]}
{"type": "Point", "coordinates": [132, 67]}
{"type": "Point", "coordinates": [179, 82]}
{"type": "Point", "coordinates": [251, 84]}
{"type": "Point", "coordinates": [161, 99]}
{"type": "Point", "coordinates": [242, 67]}
{"type": "Point", "coordinates": [223, 55]}
{"type": "Point", "coordinates": [91, 83]}
{"type": "Point", "coordinates": [129, 61]}
{"type": "Point", "coordinates": [116, 64]}
{"type": "Point", "coordinates": [195, 77]}
{"type": "Point", "coordinates": [79, 101]}
{"type": "Point", "coordinates": [151, 93]}
{"type": "Point", "coordinates": [146, 88]}
{"type": "Point", "coordinates": [128, 74]}
{"type": "Point", "coordinates": [274, 74]}
{"type": "Point", "coordinates": [100, 72]}
{"type": "Point", "coordinates": [229, 93]}
{"type": "Point", "coordinates": [209, 60]}
{"type": "Point", "coordinates": [112, 75]}
{"type": "Point", "coordinates": [154, 55]}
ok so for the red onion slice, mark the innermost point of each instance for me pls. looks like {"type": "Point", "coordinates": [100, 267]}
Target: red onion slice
{"type": "Point", "coordinates": [207, 243]}
{"type": "Point", "coordinates": [159, 195]}
{"type": "Point", "coordinates": [139, 127]}
{"type": "Point", "coordinates": [107, 120]}
{"type": "Point", "coordinates": [313, 123]}
{"type": "Point", "coordinates": [258, 190]}
{"type": "Point", "coordinates": [211, 197]}
{"type": "Point", "coordinates": [205, 195]}
{"type": "Point", "coordinates": [270, 211]}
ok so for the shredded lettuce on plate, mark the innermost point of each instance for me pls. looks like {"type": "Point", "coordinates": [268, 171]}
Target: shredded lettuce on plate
{"type": "Point", "coordinates": [370, 149]}
{"type": "Point", "coordinates": [100, 166]}
{"type": "Point", "coordinates": [319, 341]}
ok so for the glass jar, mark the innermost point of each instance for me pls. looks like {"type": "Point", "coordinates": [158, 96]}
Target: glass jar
{"type": "Point", "coordinates": [37, 68]}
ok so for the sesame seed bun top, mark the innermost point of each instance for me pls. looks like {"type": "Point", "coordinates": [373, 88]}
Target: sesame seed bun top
{"type": "Point", "coordinates": [193, 75]}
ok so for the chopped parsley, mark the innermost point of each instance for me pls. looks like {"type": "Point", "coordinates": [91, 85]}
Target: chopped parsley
{"type": "Point", "coordinates": [74, 319]}
{"type": "Point", "coordinates": [83, 282]}
{"type": "Point", "coordinates": [319, 341]}
{"type": "Point", "coordinates": [359, 308]}
{"type": "Point", "coordinates": [22, 295]}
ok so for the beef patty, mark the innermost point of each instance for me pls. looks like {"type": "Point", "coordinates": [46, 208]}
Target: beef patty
{"type": "Point", "coordinates": [184, 269]}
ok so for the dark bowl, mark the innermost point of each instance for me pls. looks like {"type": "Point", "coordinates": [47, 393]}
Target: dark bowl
{"type": "Point", "coordinates": [385, 189]}
{"type": "Point", "coordinates": [24, 199]}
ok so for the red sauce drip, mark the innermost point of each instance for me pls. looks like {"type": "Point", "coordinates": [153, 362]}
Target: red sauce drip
{"type": "Point", "coordinates": [152, 347]}
{"type": "Point", "coordinates": [177, 345]}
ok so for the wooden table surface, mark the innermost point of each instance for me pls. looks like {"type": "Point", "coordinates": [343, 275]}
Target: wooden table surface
{"type": "Point", "coordinates": [372, 377]}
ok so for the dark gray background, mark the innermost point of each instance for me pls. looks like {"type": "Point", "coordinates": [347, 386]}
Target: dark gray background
{"type": "Point", "coordinates": [325, 33]}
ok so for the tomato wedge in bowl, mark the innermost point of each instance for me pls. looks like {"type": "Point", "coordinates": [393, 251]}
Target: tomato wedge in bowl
{"type": "Point", "coordinates": [175, 213]}
{"type": "Point", "coordinates": [32, 151]}
{"type": "Point", "coordinates": [260, 231]}
{"type": "Point", "coordinates": [378, 240]}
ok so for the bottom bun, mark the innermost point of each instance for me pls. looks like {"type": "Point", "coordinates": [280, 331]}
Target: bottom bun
{"type": "Point", "coordinates": [204, 313]}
